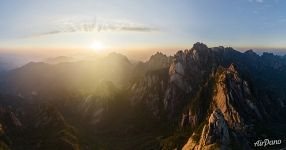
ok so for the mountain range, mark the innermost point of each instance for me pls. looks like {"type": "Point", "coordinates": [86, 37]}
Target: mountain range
{"type": "Point", "coordinates": [199, 98]}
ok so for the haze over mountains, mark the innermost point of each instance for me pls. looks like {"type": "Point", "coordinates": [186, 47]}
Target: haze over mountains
{"type": "Point", "coordinates": [200, 98]}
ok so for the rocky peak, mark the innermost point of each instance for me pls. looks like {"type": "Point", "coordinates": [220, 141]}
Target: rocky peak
{"type": "Point", "coordinates": [200, 52]}
{"type": "Point", "coordinates": [250, 52]}
{"type": "Point", "coordinates": [232, 109]}
{"type": "Point", "coordinates": [232, 68]}
{"type": "Point", "coordinates": [191, 62]}
{"type": "Point", "coordinates": [234, 98]}
{"type": "Point", "coordinates": [186, 73]}
{"type": "Point", "coordinates": [200, 46]}
{"type": "Point", "coordinates": [158, 55]}
{"type": "Point", "coordinates": [159, 60]}
{"type": "Point", "coordinates": [180, 57]}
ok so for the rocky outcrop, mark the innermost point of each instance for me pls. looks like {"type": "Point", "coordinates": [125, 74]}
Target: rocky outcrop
{"type": "Point", "coordinates": [177, 74]}
{"type": "Point", "coordinates": [233, 110]}
{"type": "Point", "coordinates": [234, 98]}
{"type": "Point", "coordinates": [189, 119]}
{"type": "Point", "coordinates": [215, 134]}
{"type": "Point", "coordinates": [186, 74]}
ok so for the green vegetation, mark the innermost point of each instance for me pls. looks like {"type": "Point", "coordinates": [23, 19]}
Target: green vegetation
{"type": "Point", "coordinates": [198, 131]}
{"type": "Point", "coordinates": [177, 139]}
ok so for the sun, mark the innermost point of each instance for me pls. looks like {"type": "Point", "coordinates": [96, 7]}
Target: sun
{"type": "Point", "coordinates": [96, 46]}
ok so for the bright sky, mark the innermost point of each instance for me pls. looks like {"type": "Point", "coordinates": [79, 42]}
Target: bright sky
{"type": "Point", "coordinates": [139, 27]}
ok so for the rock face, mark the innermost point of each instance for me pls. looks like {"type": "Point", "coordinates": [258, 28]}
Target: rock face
{"type": "Point", "coordinates": [234, 98]}
{"type": "Point", "coordinates": [214, 135]}
{"type": "Point", "coordinates": [233, 109]}
{"type": "Point", "coordinates": [186, 73]}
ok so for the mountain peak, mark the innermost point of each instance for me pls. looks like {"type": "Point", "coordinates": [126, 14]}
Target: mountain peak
{"type": "Point", "coordinates": [200, 46]}
{"type": "Point", "coordinates": [232, 68]}
{"type": "Point", "coordinates": [118, 57]}
{"type": "Point", "coordinates": [158, 55]}
{"type": "Point", "coordinates": [35, 64]}
{"type": "Point", "coordinates": [59, 59]}
{"type": "Point", "coordinates": [250, 51]}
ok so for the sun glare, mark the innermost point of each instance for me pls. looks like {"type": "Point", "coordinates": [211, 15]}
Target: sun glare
{"type": "Point", "coordinates": [97, 46]}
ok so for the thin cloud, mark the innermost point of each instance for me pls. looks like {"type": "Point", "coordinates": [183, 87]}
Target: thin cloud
{"type": "Point", "coordinates": [138, 29]}
{"type": "Point", "coordinates": [95, 25]}
{"type": "Point", "coordinates": [258, 1]}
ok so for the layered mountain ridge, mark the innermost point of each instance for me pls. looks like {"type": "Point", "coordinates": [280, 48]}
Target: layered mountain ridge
{"type": "Point", "coordinates": [201, 98]}
{"type": "Point", "coordinates": [206, 82]}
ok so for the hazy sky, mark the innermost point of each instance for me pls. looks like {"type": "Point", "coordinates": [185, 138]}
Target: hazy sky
{"type": "Point", "coordinates": [62, 27]}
